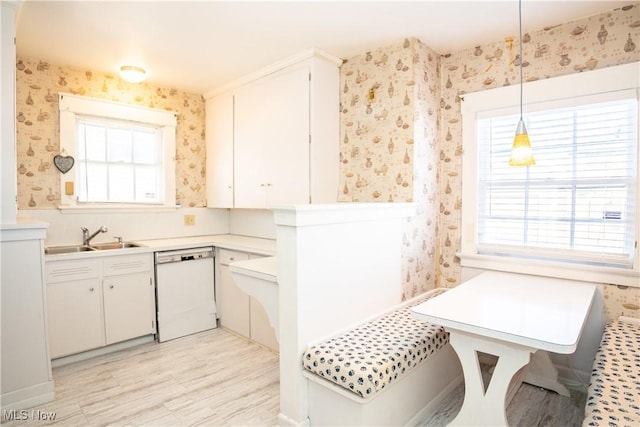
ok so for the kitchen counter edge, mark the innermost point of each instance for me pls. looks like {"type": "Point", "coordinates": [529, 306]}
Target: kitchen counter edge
{"type": "Point", "coordinates": [254, 245]}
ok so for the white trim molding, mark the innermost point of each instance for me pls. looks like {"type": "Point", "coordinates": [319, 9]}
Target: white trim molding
{"type": "Point", "coordinates": [72, 106]}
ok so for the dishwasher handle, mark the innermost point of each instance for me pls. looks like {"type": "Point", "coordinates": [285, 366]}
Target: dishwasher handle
{"type": "Point", "coordinates": [183, 255]}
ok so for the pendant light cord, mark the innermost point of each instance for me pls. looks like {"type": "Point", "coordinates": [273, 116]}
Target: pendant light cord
{"type": "Point", "coordinates": [520, 23]}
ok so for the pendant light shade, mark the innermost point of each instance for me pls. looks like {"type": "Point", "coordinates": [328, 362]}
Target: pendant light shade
{"type": "Point", "coordinates": [521, 152]}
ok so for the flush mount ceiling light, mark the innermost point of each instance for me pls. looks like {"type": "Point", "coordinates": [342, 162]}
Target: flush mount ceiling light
{"type": "Point", "coordinates": [132, 74]}
{"type": "Point", "coordinates": [521, 152]}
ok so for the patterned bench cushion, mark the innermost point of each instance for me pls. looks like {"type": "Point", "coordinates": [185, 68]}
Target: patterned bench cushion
{"type": "Point", "coordinates": [613, 397]}
{"type": "Point", "coordinates": [366, 359]}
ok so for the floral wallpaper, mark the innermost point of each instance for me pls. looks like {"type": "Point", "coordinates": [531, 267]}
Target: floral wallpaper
{"type": "Point", "coordinates": [401, 132]}
{"type": "Point", "coordinates": [369, 173]}
{"type": "Point", "coordinates": [38, 130]}
{"type": "Point", "coordinates": [387, 147]}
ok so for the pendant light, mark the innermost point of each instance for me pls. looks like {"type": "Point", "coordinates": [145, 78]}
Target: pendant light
{"type": "Point", "coordinates": [521, 153]}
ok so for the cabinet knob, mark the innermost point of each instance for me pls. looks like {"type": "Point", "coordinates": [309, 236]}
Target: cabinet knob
{"type": "Point", "coordinates": [232, 259]}
{"type": "Point", "coordinates": [91, 289]}
{"type": "Point", "coordinates": [110, 286]}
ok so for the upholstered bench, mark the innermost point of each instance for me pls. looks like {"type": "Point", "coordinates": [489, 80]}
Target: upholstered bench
{"type": "Point", "coordinates": [386, 371]}
{"type": "Point", "coordinates": [613, 397]}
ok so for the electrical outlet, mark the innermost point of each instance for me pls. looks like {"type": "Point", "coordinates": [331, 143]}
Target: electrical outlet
{"type": "Point", "coordinates": [189, 220]}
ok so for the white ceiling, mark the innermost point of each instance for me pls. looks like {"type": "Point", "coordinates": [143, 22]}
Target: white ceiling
{"type": "Point", "coordinates": [198, 46]}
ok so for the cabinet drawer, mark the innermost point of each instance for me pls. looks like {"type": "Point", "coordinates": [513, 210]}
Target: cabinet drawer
{"type": "Point", "coordinates": [226, 256]}
{"type": "Point", "coordinates": [127, 264]}
{"type": "Point", "coordinates": [65, 271]}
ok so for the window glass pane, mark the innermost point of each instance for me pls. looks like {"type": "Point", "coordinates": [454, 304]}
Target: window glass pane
{"type": "Point", "coordinates": [96, 182]}
{"type": "Point", "coordinates": [94, 143]}
{"type": "Point", "coordinates": [120, 183]}
{"type": "Point", "coordinates": [145, 147]}
{"type": "Point", "coordinates": [146, 184]}
{"type": "Point", "coordinates": [119, 145]}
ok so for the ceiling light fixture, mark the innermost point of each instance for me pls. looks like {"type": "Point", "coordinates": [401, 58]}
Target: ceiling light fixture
{"type": "Point", "coordinates": [132, 74]}
{"type": "Point", "coordinates": [521, 152]}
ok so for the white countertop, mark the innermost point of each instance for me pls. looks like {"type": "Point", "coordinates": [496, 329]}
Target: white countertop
{"type": "Point", "coordinates": [261, 268]}
{"type": "Point", "coordinates": [540, 312]}
{"type": "Point", "coordinates": [228, 241]}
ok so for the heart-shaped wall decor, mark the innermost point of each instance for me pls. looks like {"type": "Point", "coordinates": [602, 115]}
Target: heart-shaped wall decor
{"type": "Point", "coordinates": [63, 163]}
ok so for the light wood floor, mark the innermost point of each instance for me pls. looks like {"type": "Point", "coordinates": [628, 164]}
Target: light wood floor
{"type": "Point", "coordinates": [216, 378]}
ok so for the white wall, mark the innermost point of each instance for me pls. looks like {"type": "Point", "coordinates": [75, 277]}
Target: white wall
{"type": "Point", "coordinates": [7, 109]}
{"type": "Point", "coordinates": [64, 226]}
{"type": "Point", "coordinates": [26, 378]}
{"type": "Point", "coordinates": [252, 222]}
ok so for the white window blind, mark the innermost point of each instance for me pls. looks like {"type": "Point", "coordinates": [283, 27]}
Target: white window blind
{"type": "Point", "coordinates": [578, 203]}
{"type": "Point", "coordinates": [119, 162]}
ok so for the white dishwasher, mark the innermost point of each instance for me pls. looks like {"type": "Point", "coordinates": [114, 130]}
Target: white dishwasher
{"type": "Point", "coordinates": [185, 296]}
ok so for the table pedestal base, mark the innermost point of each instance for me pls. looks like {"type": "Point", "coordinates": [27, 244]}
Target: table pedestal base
{"type": "Point", "coordinates": [486, 406]}
{"type": "Point", "coordinates": [541, 373]}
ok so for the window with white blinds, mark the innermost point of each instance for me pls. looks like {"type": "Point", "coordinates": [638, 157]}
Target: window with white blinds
{"type": "Point", "coordinates": [578, 203]}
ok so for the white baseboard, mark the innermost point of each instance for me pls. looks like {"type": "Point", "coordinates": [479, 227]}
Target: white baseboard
{"type": "Point", "coordinates": [29, 397]}
{"type": "Point", "coordinates": [285, 421]}
{"type": "Point", "coordinates": [101, 351]}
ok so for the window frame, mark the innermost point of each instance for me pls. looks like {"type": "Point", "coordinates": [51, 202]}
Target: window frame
{"type": "Point", "coordinates": [74, 108]}
{"type": "Point", "coordinates": [602, 84]}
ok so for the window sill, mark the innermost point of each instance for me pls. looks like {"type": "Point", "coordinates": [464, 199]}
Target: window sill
{"type": "Point", "coordinates": [586, 273]}
{"type": "Point", "coordinates": [121, 209]}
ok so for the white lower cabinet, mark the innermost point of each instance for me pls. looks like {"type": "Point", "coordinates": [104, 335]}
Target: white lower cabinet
{"type": "Point", "coordinates": [238, 311]}
{"type": "Point", "coordinates": [128, 307]}
{"type": "Point", "coordinates": [100, 301]}
{"type": "Point", "coordinates": [75, 316]}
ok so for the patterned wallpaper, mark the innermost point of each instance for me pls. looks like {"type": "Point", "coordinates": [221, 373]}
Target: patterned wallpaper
{"type": "Point", "coordinates": [401, 144]}
{"type": "Point", "coordinates": [368, 173]}
{"type": "Point", "coordinates": [38, 127]}
{"type": "Point", "coordinates": [387, 147]}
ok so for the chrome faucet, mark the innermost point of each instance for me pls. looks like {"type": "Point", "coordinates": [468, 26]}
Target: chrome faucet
{"type": "Point", "coordinates": [85, 234]}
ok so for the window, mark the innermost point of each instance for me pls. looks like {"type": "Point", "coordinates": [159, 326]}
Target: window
{"type": "Point", "coordinates": [118, 162]}
{"type": "Point", "coordinates": [124, 154]}
{"type": "Point", "coordinates": [578, 204]}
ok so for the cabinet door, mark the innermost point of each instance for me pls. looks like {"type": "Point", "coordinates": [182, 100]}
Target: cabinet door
{"type": "Point", "coordinates": [249, 146]}
{"type": "Point", "coordinates": [286, 143]}
{"type": "Point", "coordinates": [219, 132]}
{"type": "Point", "coordinates": [75, 319]}
{"type": "Point", "coordinates": [129, 307]}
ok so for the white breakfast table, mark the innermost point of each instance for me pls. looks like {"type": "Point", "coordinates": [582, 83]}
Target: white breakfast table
{"type": "Point", "coordinates": [511, 316]}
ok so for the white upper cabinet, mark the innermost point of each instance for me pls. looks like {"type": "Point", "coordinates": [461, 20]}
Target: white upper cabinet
{"type": "Point", "coordinates": [219, 131]}
{"type": "Point", "coordinates": [272, 138]}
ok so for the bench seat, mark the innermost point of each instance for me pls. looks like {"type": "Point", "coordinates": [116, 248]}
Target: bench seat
{"type": "Point", "coordinates": [370, 357]}
{"type": "Point", "coordinates": [613, 396]}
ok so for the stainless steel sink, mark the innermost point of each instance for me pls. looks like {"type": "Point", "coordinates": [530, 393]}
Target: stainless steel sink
{"type": "Point", "coordinates": [57, 250]}
{"type": "Point", "coordinates": [114, 245]}
{"type": "Point", "coordinates": [72, 249]}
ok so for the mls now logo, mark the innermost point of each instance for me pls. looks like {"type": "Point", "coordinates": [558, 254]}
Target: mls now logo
{"type": "Point", "coordinates": [15, 415]}
{"type": "Point", "coordinates": [23, 415]}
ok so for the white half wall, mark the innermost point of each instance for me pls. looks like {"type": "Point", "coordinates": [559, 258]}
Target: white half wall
{"type": "Point", "coordinates": [338, 265]}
